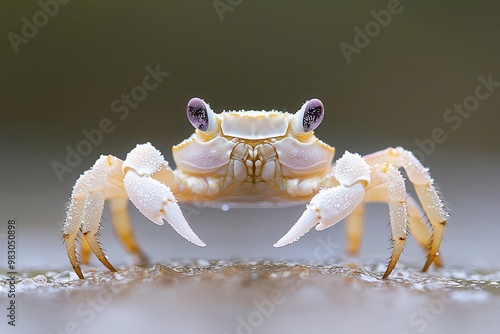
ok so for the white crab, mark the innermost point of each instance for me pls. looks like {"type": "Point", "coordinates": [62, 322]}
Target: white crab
{"type": "Point", "coordinates": [255, 158]}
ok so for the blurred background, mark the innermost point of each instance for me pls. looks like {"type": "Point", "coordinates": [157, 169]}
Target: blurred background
{"type": "Point", "coordinates": [384, 83]}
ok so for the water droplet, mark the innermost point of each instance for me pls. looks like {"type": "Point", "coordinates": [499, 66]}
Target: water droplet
{"type": "Point", "coordinates": [224, 207]}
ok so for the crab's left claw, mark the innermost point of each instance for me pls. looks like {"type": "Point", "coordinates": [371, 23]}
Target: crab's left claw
{"type": "Point", "coordinates": [331, 205]}
{"type": "Point", "coordinates": [153, 198]}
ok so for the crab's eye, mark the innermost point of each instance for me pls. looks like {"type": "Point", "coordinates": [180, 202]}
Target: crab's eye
{"type": "Point", "coordinates": [309, 117]}
{"type": "Point", "coordinates": [313, 115]}
{"type": "Point", "coordinates": [198, 114]}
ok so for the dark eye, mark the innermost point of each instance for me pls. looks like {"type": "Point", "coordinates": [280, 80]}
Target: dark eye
{"type": "Point", "coordinates": [313, 115]}
{"type": "Point", "coordinates": [197, 114]}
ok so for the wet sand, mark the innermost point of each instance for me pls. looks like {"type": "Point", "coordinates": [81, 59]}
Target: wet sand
{"type": "Point", "coordinates": [258, 297]}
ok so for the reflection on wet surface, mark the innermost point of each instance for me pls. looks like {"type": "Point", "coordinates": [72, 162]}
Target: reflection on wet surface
{"type": "Point", "coordinates": [282, 274]}
{"type": "Point", "coordinates": [236, 296]}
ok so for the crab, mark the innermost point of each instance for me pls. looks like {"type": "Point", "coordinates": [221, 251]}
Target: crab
{"type": "Point", "coordinates": [255, 159]}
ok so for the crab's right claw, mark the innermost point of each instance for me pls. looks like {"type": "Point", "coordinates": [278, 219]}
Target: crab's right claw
{"type": "Point", "coordinates": [331, 205]}
{"type": "Point", "coordinates": [156, 201]}
{"type": "Point", "coordinates": [327, 208]}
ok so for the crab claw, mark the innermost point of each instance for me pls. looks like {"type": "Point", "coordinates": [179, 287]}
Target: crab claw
{"type": "Point", "coordinates": [156, 202]}
{"type": "Point", "coordinates": [331, 205]}
{"type": "Point", "coordinates": [327, 208]}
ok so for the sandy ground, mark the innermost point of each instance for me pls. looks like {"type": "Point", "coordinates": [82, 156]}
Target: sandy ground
{"type": "Point", "coordinates": [258, 297]}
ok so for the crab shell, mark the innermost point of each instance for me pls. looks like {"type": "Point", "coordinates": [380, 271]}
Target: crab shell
{"type": "Point", "coordinates": [252, 155]}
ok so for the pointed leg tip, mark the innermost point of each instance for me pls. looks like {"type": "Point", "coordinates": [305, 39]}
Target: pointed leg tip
{"type": "Point", "coordinates": [108, 265]}
{"type": "Point", "coordinates": [388, 271]}
{"type": "Point", "coordinates": [436, 260]}
{"type": "Point", "coordinates": [433, 256]}
{"type": "Point", "coordinates": [427, 263]}
{"type": "Point", "coordinates": [434, 248]}
{"type": "Point", "coordinates": [94, 245]}
{"type": "Point", "coordinates": [76, 266]}
{"type": "Point", "coordinates": [396, 253]}
{"type": "Point", "coordinates": [78, 271]}
{"type": "Point", "coordinates": [69, 241]}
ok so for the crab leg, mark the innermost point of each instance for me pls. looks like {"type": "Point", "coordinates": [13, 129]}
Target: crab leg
{"type": "Point", "coordinates": [331, 205]}
{"type": "Point", "coordinates": [416, 223]}
{"type": "Point", "coordinates": [85, 209]}
{"type": "Point", "coordinates": [123, 228]}
{"type": "Point", "coordinates": [118, 201]}
{"type": "Point", "coordinates": [106, 181]}
{"type": "Point", "coordinates": [354, 228]}
{"type": "Point", "coordinates": [396, 198]}
{"type": "Point", "coordinates": [419, 230]}
{"type": "Point", "coordinates": [426, 191]}
{"type": "Point", "coordinates": [72, 226]}
{"type": "Point", "coordinates": [94, 204]}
